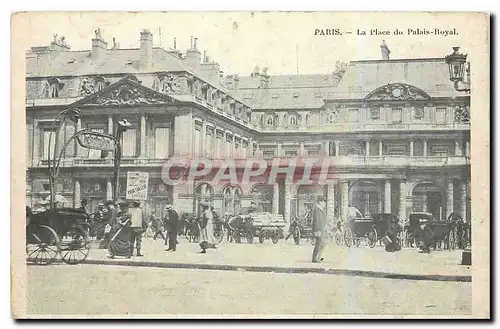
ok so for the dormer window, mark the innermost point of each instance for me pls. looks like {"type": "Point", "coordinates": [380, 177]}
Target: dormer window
{"type": "Point", "coordinates": [269, 121]}
{"type": "Point", "coordinates": [51, 88]}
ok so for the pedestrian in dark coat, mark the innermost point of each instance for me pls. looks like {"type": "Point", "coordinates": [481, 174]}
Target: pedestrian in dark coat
{"type": "Point", "coordinates": [172, 227]}
{"type": "Point", "coordinates": [319, 230]}
{"type": "Point", "coordinates": [110, 219]}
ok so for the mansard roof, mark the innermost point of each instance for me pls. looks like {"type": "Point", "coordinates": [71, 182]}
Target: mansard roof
{"type": "Point", "coordinates": [362, 78]}
{"type": "Point", "coordinates": [112, 61]}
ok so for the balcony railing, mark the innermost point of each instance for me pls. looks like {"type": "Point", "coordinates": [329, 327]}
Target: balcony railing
{"type": "Point", "coordinates": [340, 161]}
{"type": "Point", "coordinates": [348, 127]}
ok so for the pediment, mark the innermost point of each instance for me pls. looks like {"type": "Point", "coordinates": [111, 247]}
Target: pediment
{"type": "Point", "coordinates": [125, 92]}
{"type": "Point", "coordinates": [397, 91]}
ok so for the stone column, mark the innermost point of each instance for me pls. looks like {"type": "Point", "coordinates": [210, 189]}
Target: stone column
{"type": "Point", "coordinates": [78, 149]}
{"type": "Point", "coordinates": [387, 196]}
{"type": "Point", "coordinates": [276, 198]}
{"type": "Point", "coordinates": [367, 148]}
{"type": "Point", "coordinates": [449, 198]}
{"type": "Point", "coordinates": [183, 135]}
{"type": "Point", "coordinates": [326, 148]}
{"type": "Point", "coordinates": [463, 200]}
{"type": "Point", "coordinates": [424, 203]}
{"type": "Point", "coordinates": [458, 149]}
{"type": "Point", "coordinates": [425, 148]}
{"type": "Point", "coordinates": [412, 153]}
{"type": "Point", "coordinates": [288, 197]}
{"type": "Point", "coordinates": [402, 201]}
{"type": "Point", "coordinates": [278, 149]}
{"type": "Point", "coordinates": [110, 124]}
{"type": "Point", "coordinates": [380, 148]}
{"type": "Point", "coordinates": [330, 205]}
{"type": "Point", "coordinates": [203, 141]}
{"type": "Point", "coordinates": [301, 149]}
{"type": "Point", "coordinates": [109, 189]}
{"type": "Point", "coordinates": [337, 148]}
{"type": "Point", "coordinates": [110, 131]}
{"type": "Point", "coordinates": [142, 151]}
{"type": "Point", "coordinates": [77, 193]}
{"type": "Point", "coordinates": [367, 204]}
{"type": "Point", "coordinates": [467, 149]}
{"type": "Point", "coordinates": [36, 141]}
{"type": "Point", "coordinates": [345, 199]}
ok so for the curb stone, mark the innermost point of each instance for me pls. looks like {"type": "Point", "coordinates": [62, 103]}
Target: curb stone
{"type": "Point", "coordinates": [288, 270]}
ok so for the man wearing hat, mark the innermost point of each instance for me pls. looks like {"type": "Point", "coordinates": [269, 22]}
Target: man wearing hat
{"type": "Point", "coordinates": [172, 226]}
{"type": "Point", "coordinates": [110, 219]}
{"type": "Point", "coordinates": [43, 205]}
{"type": "Point", "coordinates": [137, 226]}
{"type": "Point", "coordinates": [319, 229]}
{"type": "Point", "coordinates": [427, 237]}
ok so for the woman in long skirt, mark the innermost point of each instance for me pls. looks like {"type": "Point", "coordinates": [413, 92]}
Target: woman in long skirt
{"type": "Point", "coordinates": [119, 244]}
{"type": "Point", "coordinates": [207, 236]}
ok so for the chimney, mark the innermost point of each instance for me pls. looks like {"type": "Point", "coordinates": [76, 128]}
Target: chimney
{"type": "Point", "coordinates": [174, 51]}
{"type": "Point", "coordinates": [210, 70]}
{"type": "Point", "coordinates": [59, 44]}
{"type": "Point", "coordinates": [264, 78]}
{"type": "Point", "coordinates": [99, 46]}
{"type": "Point", "coordinates": [146, 49]}
{"type": "Point", "coordinates": [193, 55]}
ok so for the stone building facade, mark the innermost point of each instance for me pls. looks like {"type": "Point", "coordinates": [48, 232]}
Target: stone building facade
{"type": "Point", "coordinates": [396, 131]}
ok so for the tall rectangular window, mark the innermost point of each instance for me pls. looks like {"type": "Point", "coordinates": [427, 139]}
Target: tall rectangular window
{"type": "Point", "coordinates": [209, 145]}
{"type": "Point", "coordinates": [397, 115]}
{"type": "Point", "coordinates": [162, 142]}
{"type": "Point", "coordinates": [197, 142]}
{"type": "Point", "coordinates": [419, 113]}
{"type": "Point", "coordinates": [46, 139]}
{"type": "Point", "coordinates": [440, 115]}
{"type": "Point", "coordinates": [229, 148]}
{"type": "Point", "coordinates": [219, 147]}
{"type": "Point", "coordinates": [129, 143]}
{"type": "Point", "coordinates": [354, 115]}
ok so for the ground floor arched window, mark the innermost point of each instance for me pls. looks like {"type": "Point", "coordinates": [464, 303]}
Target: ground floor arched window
{"type": "Point", "coordinates": [262, 197]}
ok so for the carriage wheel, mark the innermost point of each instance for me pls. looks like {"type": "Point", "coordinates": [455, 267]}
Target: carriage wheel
{"type": "Point", "coordinates": [42, 245]}
{"type": "Point", "coordinates": [249, 236]}
{"type": "Point", "coordinates": [261, 237]}
{"type": "Point", "coordinates": [236, 237]}
{"type": "Point", "coordinates": [348, 238]}
{"type": "Point", "coordinates": [338, 238]}
{"type": "Point", "coordinates": [75, 246]}
{"type": "Point", "coordinates": [275, 237]}
{"type": "Point", "coordinates": [219, 235]}
{"type": "Point", "coordinates": [296, 235]}
{"type": "Point", "coordinates": [452, 241]}
{"type": "Point", "coordinates": [372, 238]}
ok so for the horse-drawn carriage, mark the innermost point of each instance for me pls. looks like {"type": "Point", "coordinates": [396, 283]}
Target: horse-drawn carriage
{"type": "Point", "coordinates": [61, 231]}
{"type": "Point", "coordinates": [445, 233]}
{"type": "Point", "coordinates": [268, 226]}
{"type": "Point", "coordinates": [302, 228]}
{"type": "Point", "coordinates": [370, 229]}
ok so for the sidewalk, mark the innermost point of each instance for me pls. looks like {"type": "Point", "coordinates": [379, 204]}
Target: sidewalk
{"type": "Point", "coordinates": [286, 257]}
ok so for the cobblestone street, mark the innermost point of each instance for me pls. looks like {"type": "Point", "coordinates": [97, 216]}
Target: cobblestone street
{"type": "Point", "coordinates": [94, 289]}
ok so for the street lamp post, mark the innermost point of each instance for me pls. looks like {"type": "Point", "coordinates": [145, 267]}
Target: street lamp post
{"type": "Point", "coordinates": [457, 66]}
{"type": "Point", "coordinates": [53, 162]}
{"type": "Point", "coordinates": [123, 125]}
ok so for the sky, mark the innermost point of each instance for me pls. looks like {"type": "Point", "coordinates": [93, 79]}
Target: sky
{"type": "Point", "coordinates": [283, 42]}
